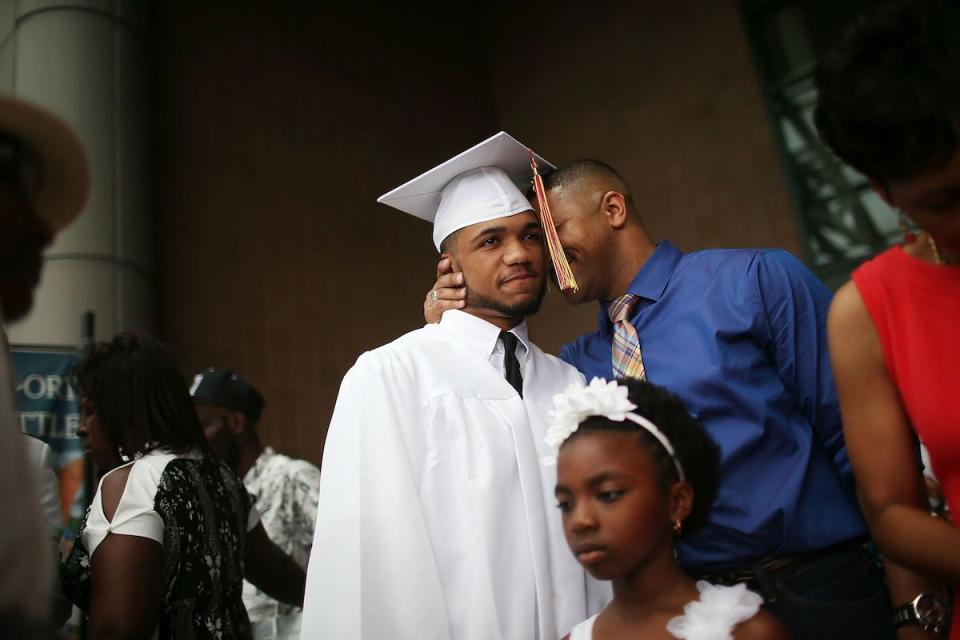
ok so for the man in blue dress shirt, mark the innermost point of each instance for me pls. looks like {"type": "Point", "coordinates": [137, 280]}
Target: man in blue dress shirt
{"type": "Point", "coordinates": [740, 336]}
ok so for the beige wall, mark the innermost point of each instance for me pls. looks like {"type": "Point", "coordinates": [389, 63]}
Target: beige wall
{"type": "Point", "coordinates": [281, 123]}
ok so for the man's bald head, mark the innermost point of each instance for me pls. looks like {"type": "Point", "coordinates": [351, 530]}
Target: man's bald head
{"type": "Point", "coordinates": [598, 226]}
{"type": "Point", "coordinates": [585, 177]}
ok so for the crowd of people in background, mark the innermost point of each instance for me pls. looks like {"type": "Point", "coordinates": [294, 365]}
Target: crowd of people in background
{"type": "Point", "coordinates": [284, 490]}
{"type": "Point", "coordinates": [734, 452]}
{"type": "Point", "coordinates": [171, 531]}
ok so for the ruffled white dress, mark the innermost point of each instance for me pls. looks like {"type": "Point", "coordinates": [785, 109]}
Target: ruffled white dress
{"type": "Point", "coordinates": [713, 616]}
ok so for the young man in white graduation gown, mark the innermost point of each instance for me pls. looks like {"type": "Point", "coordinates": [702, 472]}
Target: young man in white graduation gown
{"type": "Point", "coordinates": [436, 518]}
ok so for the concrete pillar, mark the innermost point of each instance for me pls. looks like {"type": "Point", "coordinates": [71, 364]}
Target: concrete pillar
{"type": "Point", "coordinates": [86, 60]}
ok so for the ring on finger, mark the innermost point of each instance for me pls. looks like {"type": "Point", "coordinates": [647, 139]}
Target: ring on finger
{"type": "Point", "coordinates": [434, 296]}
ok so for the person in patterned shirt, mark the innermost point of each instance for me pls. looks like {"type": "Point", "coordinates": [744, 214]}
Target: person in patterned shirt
{"type": "Point", "coordinates": [285, 490]}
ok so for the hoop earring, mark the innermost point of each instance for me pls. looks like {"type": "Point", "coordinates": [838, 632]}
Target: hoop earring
{"type": "Point", "coordinates": [677, 527]}
{"type": "Point", "coordinates": [908, 235]}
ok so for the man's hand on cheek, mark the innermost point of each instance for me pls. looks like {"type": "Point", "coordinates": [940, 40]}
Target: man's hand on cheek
{"type": "Point", "coordinates": [448, 292]}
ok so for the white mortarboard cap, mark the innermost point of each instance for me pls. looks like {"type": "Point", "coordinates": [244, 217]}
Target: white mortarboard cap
{"type": "Point", "coordinates": [483, 183]}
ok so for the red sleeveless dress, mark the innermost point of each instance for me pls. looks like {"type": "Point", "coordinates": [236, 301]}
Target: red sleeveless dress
{"type": "Point", "coordinates": [915, 308]}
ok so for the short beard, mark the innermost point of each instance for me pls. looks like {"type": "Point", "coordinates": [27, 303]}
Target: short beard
{"type": "Point", "coordinates": [512, 311]}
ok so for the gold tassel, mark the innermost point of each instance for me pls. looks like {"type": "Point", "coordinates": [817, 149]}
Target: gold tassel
{"type": "Point", "coordinates": [560, 265]}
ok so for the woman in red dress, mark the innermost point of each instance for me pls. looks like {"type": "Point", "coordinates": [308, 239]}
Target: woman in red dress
{"type": "Point", "coordinates": [889, 105]}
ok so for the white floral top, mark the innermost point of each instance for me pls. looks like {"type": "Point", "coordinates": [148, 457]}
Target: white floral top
{"type": "Point", "coordinates": [285, 492]}
{"type": "Point", "coordinates": [713, 616]}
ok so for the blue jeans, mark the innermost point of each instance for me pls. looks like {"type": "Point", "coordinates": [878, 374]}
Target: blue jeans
{"type": "Point", "coordinates": [839, 594]}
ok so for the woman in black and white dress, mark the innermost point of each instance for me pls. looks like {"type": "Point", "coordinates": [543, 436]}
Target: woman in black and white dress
{"type": "Point", "coordinates": [162, 549]}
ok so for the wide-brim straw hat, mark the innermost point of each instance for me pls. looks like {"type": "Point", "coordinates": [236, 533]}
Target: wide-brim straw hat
{"type": "Point", "coordinates": [64, 174]}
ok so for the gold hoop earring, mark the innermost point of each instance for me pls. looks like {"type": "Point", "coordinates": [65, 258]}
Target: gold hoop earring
{"type": "Point", "coordinates": [677, 527]}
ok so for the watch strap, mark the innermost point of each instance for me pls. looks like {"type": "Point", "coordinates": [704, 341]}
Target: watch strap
{"type": "Point", "coordinates": [904, 615]}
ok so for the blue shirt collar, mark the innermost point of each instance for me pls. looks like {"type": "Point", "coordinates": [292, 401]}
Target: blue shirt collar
{"type": "Point", "coordinates": [652, 279]}
{"type": "Point", "coordinates": [655, 273]}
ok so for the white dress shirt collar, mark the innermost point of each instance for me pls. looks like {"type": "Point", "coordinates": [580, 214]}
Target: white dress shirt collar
{"type": "Point", "coordinates": [482, 335]}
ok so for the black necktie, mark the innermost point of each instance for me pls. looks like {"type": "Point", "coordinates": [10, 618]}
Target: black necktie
{"type": "Point", "coordinates": [510, 363]}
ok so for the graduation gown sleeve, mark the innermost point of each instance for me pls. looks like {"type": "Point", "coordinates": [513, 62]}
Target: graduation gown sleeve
{"type": "Point", "coordinates": [362, 583]}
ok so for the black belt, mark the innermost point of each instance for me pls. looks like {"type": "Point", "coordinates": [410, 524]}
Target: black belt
{"type": "Point", "coordinates": [760, 572]}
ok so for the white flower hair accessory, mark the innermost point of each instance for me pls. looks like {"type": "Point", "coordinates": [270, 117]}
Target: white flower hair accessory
{"type": "Point", "coordinates": [607, 399]}
{"type": "Point", "coordinates": [578, 402]}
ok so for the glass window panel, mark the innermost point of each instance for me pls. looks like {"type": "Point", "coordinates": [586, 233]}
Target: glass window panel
{"type": "Point", "coordinates": [843, 221]}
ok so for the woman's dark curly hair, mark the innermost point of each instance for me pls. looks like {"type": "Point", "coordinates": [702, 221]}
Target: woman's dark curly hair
{"type": "Point", "coordinates": [889, 95]}
{"type": "Point", "coordinates": [698, 454]}
{"type": "Point", "coordinates": [138, 395]}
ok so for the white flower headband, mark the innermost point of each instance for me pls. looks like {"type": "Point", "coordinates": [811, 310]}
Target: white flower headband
{"type": "Point", "coordinates": [599, 398]}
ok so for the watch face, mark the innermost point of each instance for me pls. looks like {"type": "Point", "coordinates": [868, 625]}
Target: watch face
{"type": "Point", "coordinates": [931, 610]}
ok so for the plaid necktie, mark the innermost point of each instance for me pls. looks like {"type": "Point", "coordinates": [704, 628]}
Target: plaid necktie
{"type": "Point", "coordinates": [627, 361]}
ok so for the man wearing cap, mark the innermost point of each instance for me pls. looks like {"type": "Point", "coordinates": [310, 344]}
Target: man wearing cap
{"type": "Point", "coordinates": [435, 518]}
{"type": "Point", "coordinates": [284, 489]}
{"type": "Point", "coordinates": [43, 186]}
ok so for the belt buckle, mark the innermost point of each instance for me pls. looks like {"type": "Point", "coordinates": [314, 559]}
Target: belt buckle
{"type": "Point", "coordinates": [746, 577]}
{"type": "Point", "coordinates": [731, 578]}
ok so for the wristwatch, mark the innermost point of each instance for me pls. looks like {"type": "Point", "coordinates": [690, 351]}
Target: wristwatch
{"type": "Point", "coordinates": [927, 610]}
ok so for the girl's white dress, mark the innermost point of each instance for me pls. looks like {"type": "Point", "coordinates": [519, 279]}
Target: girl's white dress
{"type": "Point", "coordinates": [712, 616]}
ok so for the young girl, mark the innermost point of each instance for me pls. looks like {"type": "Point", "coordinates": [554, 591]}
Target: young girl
{"type": "Point", "coordinates": [634, 472]}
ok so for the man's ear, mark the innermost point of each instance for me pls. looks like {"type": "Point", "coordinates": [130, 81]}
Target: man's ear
{"type": "Point", "coordinates": [614, 206]}
{"type": "Point", "coordinates": [453, 260]}
{"type": "Point", "coordinates": [680, 501]}
{"type": "Point", "coordinates": [882, 190]}
{"type": "Point", "coordinates": [236, 423]}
